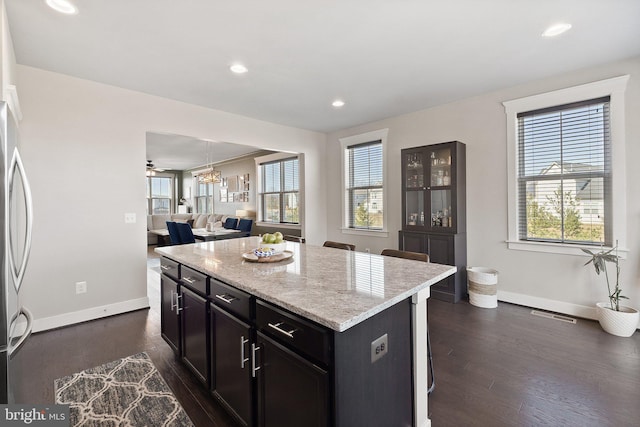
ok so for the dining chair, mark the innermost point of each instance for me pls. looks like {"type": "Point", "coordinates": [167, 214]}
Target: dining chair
{"type": "Point", "coordinates": [174, 236]}
{"type": "Point", "coordinates": [339, 245]}
{"type": "Point", "coordinates": [416, 256]}
{"type": "Point", "coordinates": [230, 223]}
{"type": "Point", "coordinates": [185, 233]}
{"type": "Point", "coordinates": [245, 225]}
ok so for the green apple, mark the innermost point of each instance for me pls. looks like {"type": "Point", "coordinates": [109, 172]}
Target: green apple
{"type": "Point", "coordinates": [272, 239]}
{"type": "Point", "coordinates": [266, 237]}
{"type": "Point", "coordinates": [279, 239]}
{"type": "Point", "coordinates": [278, 235]}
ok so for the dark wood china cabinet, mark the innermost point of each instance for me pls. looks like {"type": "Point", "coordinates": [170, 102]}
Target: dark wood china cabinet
{"type": "Point", "coordinates": [434, 210]}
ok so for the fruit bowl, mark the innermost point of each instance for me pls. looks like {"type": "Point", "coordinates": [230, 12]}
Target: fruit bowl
{"type": "Point", "coordinates": [275, 247]}
{"type": "Point", "coordinates": [263, 252]}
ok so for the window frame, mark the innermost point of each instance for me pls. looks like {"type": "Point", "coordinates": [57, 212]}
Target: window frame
{"type": "Point", "coordinates": [149, 194]}
{"type": "Point", "coordinates": [345, 143]}
{"type": "Point", "coordinates": [615, 89]}
{"type": "Point", "coordinates": [208, 197]}
{"type": "Point", "coordinates": [279, 158]}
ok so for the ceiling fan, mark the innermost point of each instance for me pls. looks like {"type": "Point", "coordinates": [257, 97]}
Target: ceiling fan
{"type": "Point", "coordinates": [151, 169]}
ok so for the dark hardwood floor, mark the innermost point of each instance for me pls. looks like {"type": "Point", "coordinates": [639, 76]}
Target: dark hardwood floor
{"type": "Point", "coordinates": [493, 367]}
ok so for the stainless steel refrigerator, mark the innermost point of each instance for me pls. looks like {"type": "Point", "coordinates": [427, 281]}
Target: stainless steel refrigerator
{"type": "Point", "coordinates": [16, 219]}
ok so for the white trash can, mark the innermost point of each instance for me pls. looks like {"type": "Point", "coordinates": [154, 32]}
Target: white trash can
{"type": "Point", "coordinates": [482, 284]}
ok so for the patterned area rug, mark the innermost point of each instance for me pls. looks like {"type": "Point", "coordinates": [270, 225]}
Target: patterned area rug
{"type": "Point", "coordinates": [126, 392]}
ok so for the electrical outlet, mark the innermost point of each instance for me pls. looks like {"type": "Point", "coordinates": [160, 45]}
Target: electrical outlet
{"type": "Point", "coordinates": [81, 287]}
{"type": "Point", "coordinates": [130, 218]}
{"type": "Point", "coordinates": [379, 347]}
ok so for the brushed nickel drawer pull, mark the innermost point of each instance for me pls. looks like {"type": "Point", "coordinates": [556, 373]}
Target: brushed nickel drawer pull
{"type": "Point", "coordinates": [225, 298]}
{"type": "Point", "coordinates": [282, 331]}
{"type": "Point", "coordinates": [165, 267]}
{"type": "Point", "coordinates": [189, 280]}
{"type": "Point", "coordinates": [178, 299]}
{"type": "Point", "coordinates": [173, 305]}
{"type": "Point", "coordinates": [254, 368]}
{"type": "Point", "coordinates": [243, 359]}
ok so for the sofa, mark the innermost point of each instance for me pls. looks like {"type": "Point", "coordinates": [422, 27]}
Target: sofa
{"type": "Point", "coordinates": [159, 222]}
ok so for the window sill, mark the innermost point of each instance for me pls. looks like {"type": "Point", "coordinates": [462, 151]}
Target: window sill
{"type": "Point", "coordinates": [370, 233]}
{"type": "Point", "coordinates": [559, 248]}
{"type": "Point", "coordinates": [279, 225]}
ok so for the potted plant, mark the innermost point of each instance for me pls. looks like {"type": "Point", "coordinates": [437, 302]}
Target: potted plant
{"type": "Point", "coordinates": [613, 317]}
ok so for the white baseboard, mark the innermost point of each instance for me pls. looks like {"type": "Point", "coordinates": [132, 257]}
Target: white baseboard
{"type": "Point", "coordinates": [92, 313]}
{"type": "Point", "coordinates": [549, 305]}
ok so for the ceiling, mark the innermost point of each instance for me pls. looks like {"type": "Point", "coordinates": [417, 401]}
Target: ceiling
{"type": "Point", "coordinates": [382, 57]}
{"type": "Point", "coordinates": [179, 152]}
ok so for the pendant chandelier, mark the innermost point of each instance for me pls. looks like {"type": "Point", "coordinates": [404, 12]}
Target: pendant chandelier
{"type": "Point", "coordinates": [210, 175]}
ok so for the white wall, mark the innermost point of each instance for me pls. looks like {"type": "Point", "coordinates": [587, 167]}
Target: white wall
{"type": "Point", "coordinates": [7, 55]}
{"type": "Point", "coordinates": [555, 282]}
{"type": "Point", "coordinates": [84, 149]}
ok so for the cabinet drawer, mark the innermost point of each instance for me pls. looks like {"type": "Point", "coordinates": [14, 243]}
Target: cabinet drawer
{"type": "Point", "coordinates": [170, 268]}
{"type": "Point", "coordinates": [294, 331]}
{"type": "Point", "coordinates": [195, 280]}
{"type": "Point", "coordinates": [231, 299]}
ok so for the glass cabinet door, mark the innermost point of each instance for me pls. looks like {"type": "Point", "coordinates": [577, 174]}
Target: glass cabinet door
{"type": "Point", "coordinates": [414, 188]}
{"type": "Point", "coordinates": [414, 171]}
{"type": "Point", "coordinates": [441, 215]}
{"type": "Point", "coordinates": [440, 167]}
{"type": "Point", "coordinates": [414, 207]}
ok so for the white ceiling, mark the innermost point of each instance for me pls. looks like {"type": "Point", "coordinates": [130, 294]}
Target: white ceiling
{"type": "Point", "coordinates": [382, 57]}
{"type": "Point", "coordinates": [179, 152]}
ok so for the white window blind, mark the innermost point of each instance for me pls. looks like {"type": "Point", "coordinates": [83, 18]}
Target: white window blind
{"type": "Point", "coordinates": [564, 173]}
{"type": "Point", "coordinates": [364, 186]}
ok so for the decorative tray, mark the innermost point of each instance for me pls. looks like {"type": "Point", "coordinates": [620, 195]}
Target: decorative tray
{"type": "Point", "coordinates": [251, 256]}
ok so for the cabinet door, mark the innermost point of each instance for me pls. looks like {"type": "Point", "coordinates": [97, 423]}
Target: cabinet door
{"type": "Point", "coordinates": [195, 322]}
{"type": "Point", "coordinates": [169, 315]}
{"type": "Point", "coordinates": [231, 364]}
{"type": "Point", "coordinates": [441, 185]}
{"type": "Point", "coordinates": [441, 251]}
{"type": "Point", "coordinates": [414, 185]}
{"type": "Point", "coordinates": [291, 390]}
{"type": "Point", "coordinates": [413, 242]}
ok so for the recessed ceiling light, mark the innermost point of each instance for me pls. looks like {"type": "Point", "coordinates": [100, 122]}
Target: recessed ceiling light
{"type": "Point", "coordinates": [556, 30]}
{"type": "Point", "coordinates": [63, 6]}
{"type": "Point", "coordinates": [238, 68]}
{"type": "Point", "coordinates": [337, 103]}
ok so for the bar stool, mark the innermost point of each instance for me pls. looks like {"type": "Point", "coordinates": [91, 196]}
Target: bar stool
{"type": "Point", "coordinates": [339, 245]}
{"type": "Point", "coordinates": [416, 256]}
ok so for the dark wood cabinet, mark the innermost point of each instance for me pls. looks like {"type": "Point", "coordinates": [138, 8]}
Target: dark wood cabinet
{"type": "Point", "coordinates": [194, 330]}
{"type": "Point", "coordinates": [231, 376]}
{"type": "Point", "coordinates": [169, 312]}
{"type": "Point", "coordinates": [434, 210]}
{"type": "Point", "coordinates": [292, 391]}
{"type": "Point", "coordinates": [442, 249]}
{"type": "Point", "coordinates": [270, 367]}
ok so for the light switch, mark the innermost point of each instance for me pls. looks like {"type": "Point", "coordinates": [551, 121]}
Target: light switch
{"type": "Point", "coordinates": [130, 218]}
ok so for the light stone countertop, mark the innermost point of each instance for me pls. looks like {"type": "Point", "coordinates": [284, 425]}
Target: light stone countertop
{"type": "Point", "coordinates": [333, 287]}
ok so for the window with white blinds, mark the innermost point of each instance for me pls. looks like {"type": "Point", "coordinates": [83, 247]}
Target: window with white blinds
{"type": "Point", "coordinates": [279, 191]}
{"type": "Point", "coordinates": [364, 186]}
{"type": "Point", "coordinates": [564, 173]}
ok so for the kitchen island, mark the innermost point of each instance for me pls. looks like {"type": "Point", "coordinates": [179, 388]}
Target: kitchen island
{"type": "Point", "coordinates": [344, 330]}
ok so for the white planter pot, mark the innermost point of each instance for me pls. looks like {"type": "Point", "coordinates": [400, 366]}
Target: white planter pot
{"type": "Point", "coordinates": [622, 323]}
